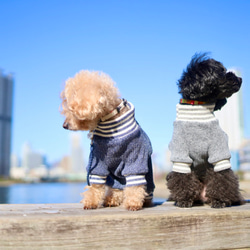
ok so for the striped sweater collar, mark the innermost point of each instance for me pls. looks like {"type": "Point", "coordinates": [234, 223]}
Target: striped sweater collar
{"type": "Point", "coordinates": [122, 126]}
{"type": "Point", "coordinates": [195, 113]}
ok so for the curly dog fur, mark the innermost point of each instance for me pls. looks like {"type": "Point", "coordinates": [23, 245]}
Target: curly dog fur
{"type": "Point", "coordinates": [86, 99]}
{"type": "Point", "coordinates": [205, 81]}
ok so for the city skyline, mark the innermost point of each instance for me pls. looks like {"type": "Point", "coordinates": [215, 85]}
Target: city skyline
{"type": "Point", "coordinates": [33, 165]}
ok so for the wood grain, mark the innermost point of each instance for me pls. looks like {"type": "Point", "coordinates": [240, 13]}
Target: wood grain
{"type": "Point", "coordinates": [164, 226]}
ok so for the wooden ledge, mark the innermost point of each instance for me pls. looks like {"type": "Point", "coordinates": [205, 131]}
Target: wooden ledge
{"type": "Point", "coordinates": [164, 226]}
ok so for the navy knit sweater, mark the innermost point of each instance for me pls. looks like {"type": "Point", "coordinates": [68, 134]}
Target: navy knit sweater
{"type": "Point", "coordinates": [121, 154]}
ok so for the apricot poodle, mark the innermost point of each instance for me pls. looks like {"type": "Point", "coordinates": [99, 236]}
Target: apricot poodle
{"type": "Point", "coordinates": [119, 168]}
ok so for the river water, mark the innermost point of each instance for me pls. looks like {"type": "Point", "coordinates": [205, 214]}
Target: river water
{"type": "Point", "coordinates": [40, 193]}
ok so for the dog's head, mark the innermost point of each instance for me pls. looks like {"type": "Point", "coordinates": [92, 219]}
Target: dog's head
{"type": "Point", "coordinates": [207, 80]}
{"type": "Point", "coordinates": [87, 97]}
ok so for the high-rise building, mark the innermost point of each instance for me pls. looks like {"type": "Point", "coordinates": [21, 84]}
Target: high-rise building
{"type": "Point", "coordinates": [77, 162]}
{"type": "Point", "coordinates": [232, 122]}
{"type": "Point", "coordinates": [30, 158]}
{"type": "Point", "coordinates": [6, 96]}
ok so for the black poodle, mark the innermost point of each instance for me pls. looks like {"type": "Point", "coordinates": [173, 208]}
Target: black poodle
{"type": "Point", "coordinates": [199, 147]}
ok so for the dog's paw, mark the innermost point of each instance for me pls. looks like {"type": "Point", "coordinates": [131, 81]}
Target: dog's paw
{"type": "Point", "coordinates": [133, 205]}
{"type": "Point", "coordinates": [184, 204]}
{"type": "Point", "coordinates": [88, 204]}
{"type": "Point", "coordinates": [219, 204]}
{"type": "Point", "coordinates": [85, 207]}
{"type": "Point", "coordinates": [112, 203]}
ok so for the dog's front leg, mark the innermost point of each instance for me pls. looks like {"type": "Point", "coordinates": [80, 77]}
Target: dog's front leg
{"type": "Point", "coordinates": [134, 197]}
{"type": "Point", "coordinates": [94, 196]}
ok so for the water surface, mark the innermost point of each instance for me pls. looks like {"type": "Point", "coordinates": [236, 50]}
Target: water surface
{"type": "Point", "coordinates": [35, 193]}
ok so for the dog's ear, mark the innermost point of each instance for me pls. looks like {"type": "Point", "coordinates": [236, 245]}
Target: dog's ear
{"type": "Point", "coordinates": [76, 109]}
{"type": "Point", "coordinates": [220, 103]}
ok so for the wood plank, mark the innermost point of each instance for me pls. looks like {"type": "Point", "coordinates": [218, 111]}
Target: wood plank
{"type": "Point", "coordinates": [164, 226]}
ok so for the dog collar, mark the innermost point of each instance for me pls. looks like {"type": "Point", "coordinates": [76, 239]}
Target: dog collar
{"type": "Point", "coordinates": [191, 102]}
{"type": "Point", "coordinates": [117, 110]}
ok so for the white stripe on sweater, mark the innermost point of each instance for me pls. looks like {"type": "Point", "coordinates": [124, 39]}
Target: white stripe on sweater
{"type": "Point", "coordinates": [135, 180]}
{"type": "Point", "coordinates": [97, 179]}
{"type": "Point", "coordinates": [123, 125]}
{"type": "Point", "coordinates": [222, 165]}
{"type": "Point", "coordinates": [195, 113]}
{"type": "Point", "coordinates": [182, 167]}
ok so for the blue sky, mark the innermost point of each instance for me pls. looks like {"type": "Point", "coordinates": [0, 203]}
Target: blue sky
{"type": "Point", "coordinates": [143, 45]}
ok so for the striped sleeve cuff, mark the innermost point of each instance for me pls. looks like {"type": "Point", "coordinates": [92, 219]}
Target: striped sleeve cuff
{"type": "Point", "coordinates": [97, 179]}
{"type": "Point", "coordinates": [221, 165]}
{"type": "Point", "coordinates": [182, 167]}
{"type": "Point", "coordinates": [135, 180]}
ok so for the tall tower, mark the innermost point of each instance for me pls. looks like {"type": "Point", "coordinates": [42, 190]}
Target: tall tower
{"type": "Point", "coordinates": [231, 118]}
{"type": "Point", "coordinates": [232, 122]}
{"type": "Point", "coordinates": [76, 153]}
{"type": "Point", "coordinates": [6, 96]}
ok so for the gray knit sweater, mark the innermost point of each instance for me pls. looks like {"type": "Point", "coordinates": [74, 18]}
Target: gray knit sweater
{"type": "Point", "coordinates": [198, 141]}
{"type": "Point", "coordinates": [121, 154]}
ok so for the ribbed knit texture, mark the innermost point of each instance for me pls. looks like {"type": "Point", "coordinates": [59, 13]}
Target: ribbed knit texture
{"type": "Point", "coordinates": [198, 141]}
{"type": "Point", "coordinates": [195, 113]}
{"type": "Point", "coordinates": [122, 126]}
